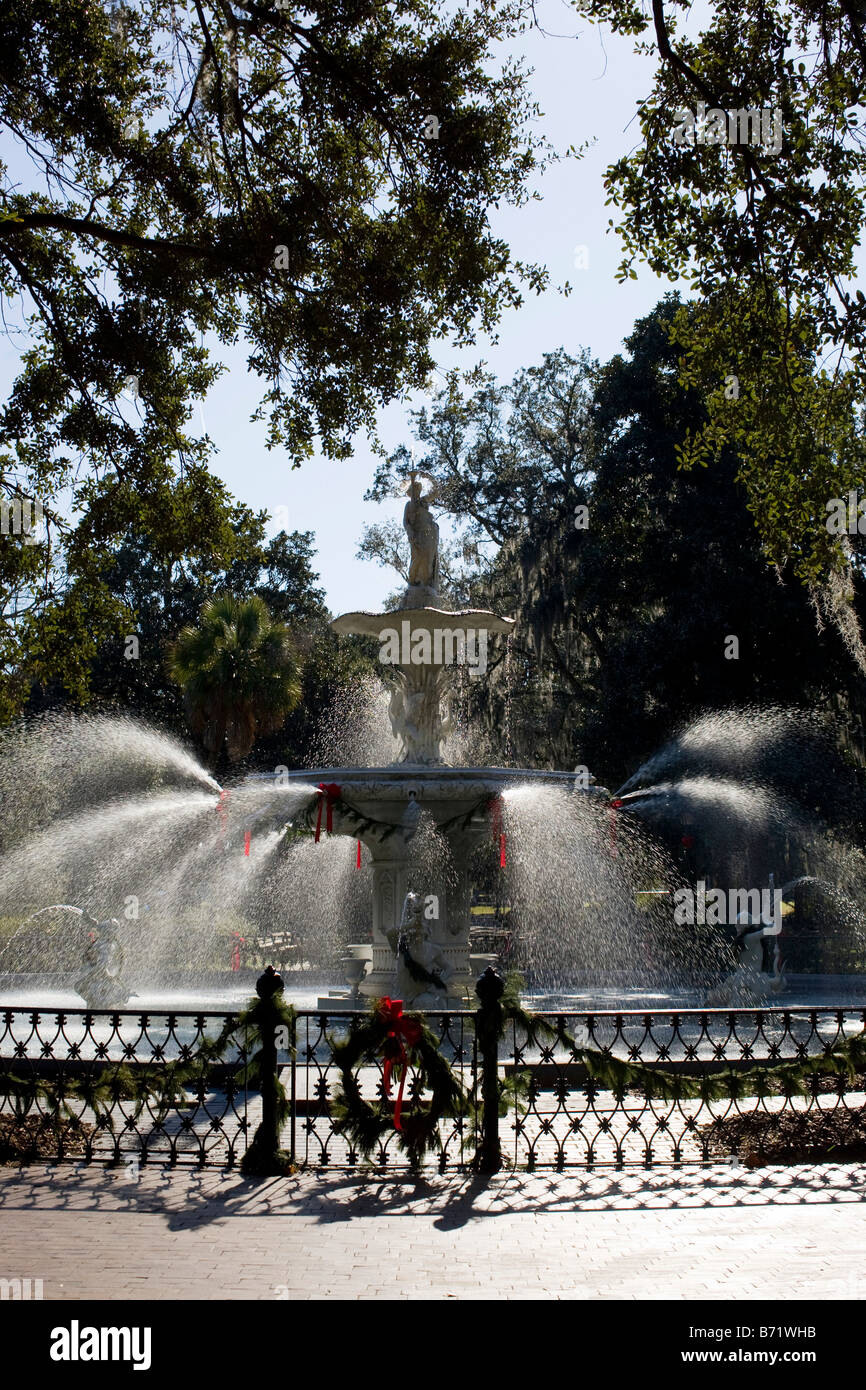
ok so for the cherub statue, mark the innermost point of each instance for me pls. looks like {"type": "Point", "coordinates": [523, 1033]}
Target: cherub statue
{"type": "Point", "coordinates": [101, 985]}
{"type": "Point", "coordinates": [423, 969]}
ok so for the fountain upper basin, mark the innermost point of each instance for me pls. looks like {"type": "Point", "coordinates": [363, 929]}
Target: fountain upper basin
{"type": "Point", "coordinates": [443, 791]}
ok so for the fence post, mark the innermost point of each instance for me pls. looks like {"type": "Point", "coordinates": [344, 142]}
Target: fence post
{"type": "Point", "coordinates": [264, 1155]}
{"type": "Point", "coordinates": [488, 1027]}
{"type": "Point", "coordinates": [293, 1092]}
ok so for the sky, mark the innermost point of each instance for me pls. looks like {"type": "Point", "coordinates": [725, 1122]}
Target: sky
{"type": "Point", "coordinates": [587, 83]}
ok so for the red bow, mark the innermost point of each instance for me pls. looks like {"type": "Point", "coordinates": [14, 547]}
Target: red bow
{"type": "Point", "coordinates": [330, 791]}
{"type": "Point", "coordinates": [401, 1031]}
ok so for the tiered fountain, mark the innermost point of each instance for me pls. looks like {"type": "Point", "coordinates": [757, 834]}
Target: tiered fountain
{"type": "Point", "coordinates": [165, 866]}
{"type": "Point", "coordinates": [420, 926]}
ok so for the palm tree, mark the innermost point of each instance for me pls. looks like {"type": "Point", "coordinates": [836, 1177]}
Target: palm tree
{"type": "Point", "coordinates": [239, 675]}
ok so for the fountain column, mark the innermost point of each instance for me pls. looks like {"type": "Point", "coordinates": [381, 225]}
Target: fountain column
{"type": "Point", "coordinates": [420, 642]}
{"type": "Point", "coordinates": [448, 916]}
{"type": "Point", "coordinates": [389, 890]}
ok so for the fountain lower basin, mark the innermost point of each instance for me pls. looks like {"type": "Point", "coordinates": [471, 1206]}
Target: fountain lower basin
{"type": "Point", "coordinates": [382, 807]}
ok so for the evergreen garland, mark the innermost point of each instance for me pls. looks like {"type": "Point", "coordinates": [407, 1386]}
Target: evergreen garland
{"type": "Point", "coordinates": [845, 1058]}
{"type": "Point", "coordinates": [261, 1019]}
{"type": "Point", "coordinates": [366, 1123]}
{"type": "Point", "coordinates": [363, 825]}
{"type": "Point", "coordinates": [163, 1086]}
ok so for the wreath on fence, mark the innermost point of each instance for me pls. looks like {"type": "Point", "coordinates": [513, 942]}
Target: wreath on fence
{"type": "Point", "coordinates": [402, 1041]}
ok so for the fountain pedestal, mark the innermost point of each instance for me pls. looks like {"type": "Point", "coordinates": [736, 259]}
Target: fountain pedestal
{"type": "Point", "coordinates": [382, 808]}
{"type": "Point", "coordinates": [449, 928]}
{"type": "Point", "coordinates": [421, 641]}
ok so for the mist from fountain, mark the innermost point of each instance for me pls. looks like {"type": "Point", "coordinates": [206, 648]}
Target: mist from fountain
{"type": "Point", "coordinates": [123, 822]}
{"type": "Point", "coordinates": [316, 892]}
{"type": "Point", "coordinates": [764, 787]}
{"type": "Point", "coordinates": [591, 896]}
{"type": "Point", "coordinates": [354, 731]}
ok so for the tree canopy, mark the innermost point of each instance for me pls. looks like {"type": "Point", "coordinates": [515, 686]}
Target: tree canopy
{"type": "Point", "coordinates": [315, 181]}
{"type": "Point", "coordinates": [239, 675]}
{"type": "Point", "coordinates": [762, 222]}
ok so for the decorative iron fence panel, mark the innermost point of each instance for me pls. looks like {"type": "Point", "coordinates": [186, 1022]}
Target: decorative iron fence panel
{"type": "Point", "coordinates": [66, 1088]}
{"type": "Point", "coordinates": [568, 1100]}
{"type": "Point", "coordinates": [310, 1133]}
{"type": "Point", "coordinates": [570, 1118]}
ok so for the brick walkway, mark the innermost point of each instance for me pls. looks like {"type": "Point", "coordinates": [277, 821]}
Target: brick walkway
{"type": "Point", "coordinates": [797, 1233]}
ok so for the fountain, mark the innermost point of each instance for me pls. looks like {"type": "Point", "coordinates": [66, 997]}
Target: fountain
{"type": "Point", "coordinates": [102, 986]}
{"type": "Point", "coordinates": [421, 642]}
{"type": "Point", "coordinates": [118, 817]}
{"type": "Point", "coordinates": [759, 786]}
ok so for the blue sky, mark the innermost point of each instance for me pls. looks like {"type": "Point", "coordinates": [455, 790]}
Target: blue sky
{"type": "Point", "coordinates": [587, 84]}
{"type": "Point", "coordinates": [587, 87]}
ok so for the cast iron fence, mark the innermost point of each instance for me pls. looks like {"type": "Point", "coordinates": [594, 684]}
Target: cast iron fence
{"type": "Point", "coordinates": [553, 1090]}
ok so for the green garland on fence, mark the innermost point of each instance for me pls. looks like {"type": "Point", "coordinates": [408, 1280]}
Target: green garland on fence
{"type": "Point", "coordinates": [163, 1087]}
{"type": "Point", "coordinates": [364, 1123]}
{"type": "Point", "coordinates": [844, 1058]}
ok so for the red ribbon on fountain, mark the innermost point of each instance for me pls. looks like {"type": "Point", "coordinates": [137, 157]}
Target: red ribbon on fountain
{"type": "Point", "coordinates": [358, 860]}
{"type": "Point", "coordinates": [248, 834]}
{"type": "Point", "coordinates": [330, 791]}
{"type": "Point", "coordinates": [401, 1031]}
{"type": "Point", "coordinates": [494, 806]}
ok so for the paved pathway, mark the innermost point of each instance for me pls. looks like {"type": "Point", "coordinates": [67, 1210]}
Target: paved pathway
{"type": "Point", "coordinates": [796, 1232]}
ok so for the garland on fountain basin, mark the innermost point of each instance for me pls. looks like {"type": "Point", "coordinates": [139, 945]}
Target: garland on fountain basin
{"type": "Point", "coordinates": [330, 799]}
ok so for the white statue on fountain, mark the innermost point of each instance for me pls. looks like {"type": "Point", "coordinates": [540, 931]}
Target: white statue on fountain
{"type": "Point", "coordinates": [423, 970]}
{"type": "Point", "coordinates": [423, 534]}
{"type": "Point", "coordinates": [418, 672]}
